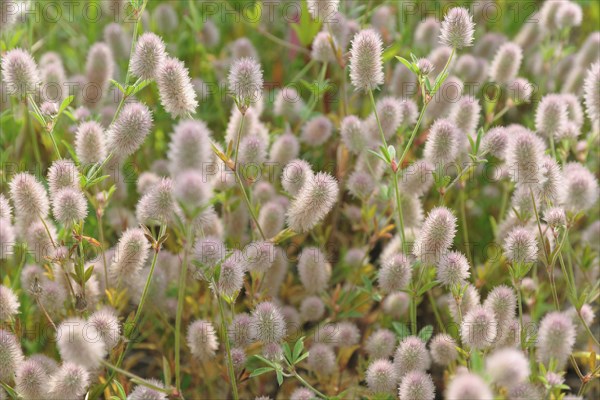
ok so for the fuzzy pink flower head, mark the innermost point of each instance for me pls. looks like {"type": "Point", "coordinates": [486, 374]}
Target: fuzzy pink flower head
{"type": "Point", "coordinates": [19, 72]}
{"type": "Point", "coordinates": [457, 28]}
{"type": "Point", "coordinates": [436, 236]}
{"type": "Point", "coordinates": [411, 355]}
{"type": "Point", "coordinates": [246, 80]}
{"type": "Point", "coordinates": [417, 385]}
{"type": "Point", "coordinates": [381, 377]}
{"type": "Point", "coordinates": [313, 202]}
{"type": "Point", "coordinates": [366, 63]}
{"type": "Point", "coordinates": [175, 88]}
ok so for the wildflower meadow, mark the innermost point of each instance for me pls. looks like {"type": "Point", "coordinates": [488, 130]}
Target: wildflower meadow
{"type": "Point", "coordinates": [299, 199]}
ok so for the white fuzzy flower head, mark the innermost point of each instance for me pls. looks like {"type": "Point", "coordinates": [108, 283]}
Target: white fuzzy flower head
{"type": "Point", "coordinates": [11, 355]}
{"type": "Point", "coordinates": [353, 134]}
{"type": "Point", "coordinates": [556, 337]}
{"type": "Point", "coordinates": [158, 205]}
{"type": "Point", "coordinates": [321, 359]}
{"type": "Point", "coordinates": [551, 116]}
{"type": "Point", "coordinates": [313, 202]}
{"type": "Point", "coordinates": [312, 309]}
{"type": "Point", "coordinates": [148, 55]}
{"type": "Point", "coordinates": [314, 270]}
{"type": "Point", "coordinates": [411, 355]}
{"type": "Point", "coordinates": [443, 349]}
{"type": "Point", "coordinates": [468, 386]}
{"type": "Point", "coordinates": [366, 64]}
{"type": "Point", "coordinates": [521, 246]}
{"type": "Point", "coordinates": [507, 367]}
{"type": "Point", "coordinates": [568, 15]}
{"type": "Point", "coordinates": [99, 69]}
{"type": "Point", "coordinates": [322, 49]}
{"type": "Point", "coordinates": [79, 342]}
{"type": "Point", "coordinates": [246, 81]}
{"type": "Point", "coordinates": [202, 340]}
{"type": "Point", "coordinates": [442, 142]}
{"type": "Point", "coordinates": [381, 377]}
{"type": "Point", "coordinates": [503, 302]}
{"type": "Point", "coordinates": [175, 88]}
{"type": "Point", "coordinates": [284, 149]}
{"type": "Point", "coordinates": [129, 130]}
{"type": "Point", "coordinates": [141, 392]}
{"type": "Point", "coordinates": [582, 187]}
{"type": "Point", "coordinates": [506, 63]}
{"type": "Point", "coordinates": [457, 28]}
{"type": "Point", "coordinates": [417, 385]}
{"type": "Point", "coordinates": [380, 344]}
{"type": "Point", "coordinates": [9, 303]}
{"type": "Point", "coordinates": [19, 72]}
{"type": "Point", "coordinates": [62, 174]}
{"type": "Point", "coordinates": [69, 206]}
{"type": "Point", "coordinates": [189, 147]}
{"type": "Point", "coordinates": [479, 328]}
{"type": "Point", "coordinates": [130, 255]}
{"type": "Point", "coordinates": [316, 131]}
{"type": "Point", "coordinates": [555, 217]}
{"type": "Point", "coordinates": [591, 87]}
{"type": "Point", "coordinates": [70, 381]}
{"type": "Point", "coordinates": [90, 143]}
{"type": "Point", "coordinates": [453, 269]}
{"type": "Point", "coordinates": [436, 236]}
{"type": "Point", "coordinates": [29, 196]}
{"type": "Point", "coordinates": [524, 157]}
{"type": "Point", "coordinates": [520, 90]}
{"type": "Point", "coordinates": [107, 324]}
{"type": "Point", "coordinates": [395, 273]}
{"type": "Point", "coordinates": [269, 323]}
{"type": "Point", "coordinates": [31, 379]}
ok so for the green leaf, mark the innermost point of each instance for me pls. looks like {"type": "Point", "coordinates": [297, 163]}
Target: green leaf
{"type": "Point", "coordinates": [298, 347]}
{"type": "Point", "coordinates": [401, 329]}
{"type": "Point", "coordinates": [166, 372]}
{"type": "Point", "coordinates": [405, 62]}
{"type": "Point", "coordinates": [121, 390]}
{"type": "Point", "coordinates": [140, 86]}
{"type": "Point", "coordinates": [88, 273]}
{"type": "Point", "coordinates": [302, 357]}
{"type": "Point", "coordinates": [426, 332]}
{"type": "Point", "coordinates": [279, 376]}
{"type": "Point", "coordinates": [426, 287]}
{"type": "Point", "coordinates": [65, 103]}
{"type": "Point", "coordinates": [287, 352]}
{"type": "Point", "coordinates": [118, 85]}
{"type": "Point", "coordinates": [260, 371]}
{"type": "Point", "coordinates": [306, 28]}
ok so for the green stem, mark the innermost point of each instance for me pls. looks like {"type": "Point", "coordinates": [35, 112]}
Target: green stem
{"type": "Point", "coordinates": [239, 179]}
{"type": "Point", "coordinates": [463, 216]}
{"type": "Point", "coordinates": [308, 385]}
{"type": "Point", "coordinates": [138, 313]}
{"type": "Point", "coordinates": [137, 379]}
{"type": "Point", "coordinates": [230, 370]}
{"type": "Point", "coordinates": [383, 141]}
{"type": "Point", "coordinates": [399, 207]}
{"type": "Point", "coordinates": [436, 312]}
{"type": "Point", "coordinates": [101, 234]}
{"type": "Point", "coordinates": [520, 305]}
{"type": "Point", "coordinates": [180, 302]}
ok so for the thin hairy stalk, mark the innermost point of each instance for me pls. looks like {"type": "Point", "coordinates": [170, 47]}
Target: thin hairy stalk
{"type": "Point", "coordinates": [140, 308]}
{"type": "Point", "coordinates": [517, 286]}
{"type": "Point", "coordinates": [34, 141]}
{"type": "Point", "coordinates": [180, 302]}
{"type": "Point", "coordinates": [137, 379]}
{"type": "Point", "coordinates": [101, 234]}
{"type": "Point", "coordinates": [303, 71]}
{"type": "Point", "coordinates": [51, 131]}
{"type": "Point", "coordinates": [436, 312]}
{"type": "Point", "coordinates": [465, 228]}
{"type": "Point", "coordinates": [41, 306]}
{"type": "Point", "coordinates": [383, 141]}
{"type": "Point", "coordinates": [421, 114]}
{"type": "Point", "coordinates": [308, 385]}
{"type": "Point", "coordinates": [399, 208]}
{"type": "Point", "coordinates": [239, 179]}
{"type": "Point", "coordinates": [230, 370]}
